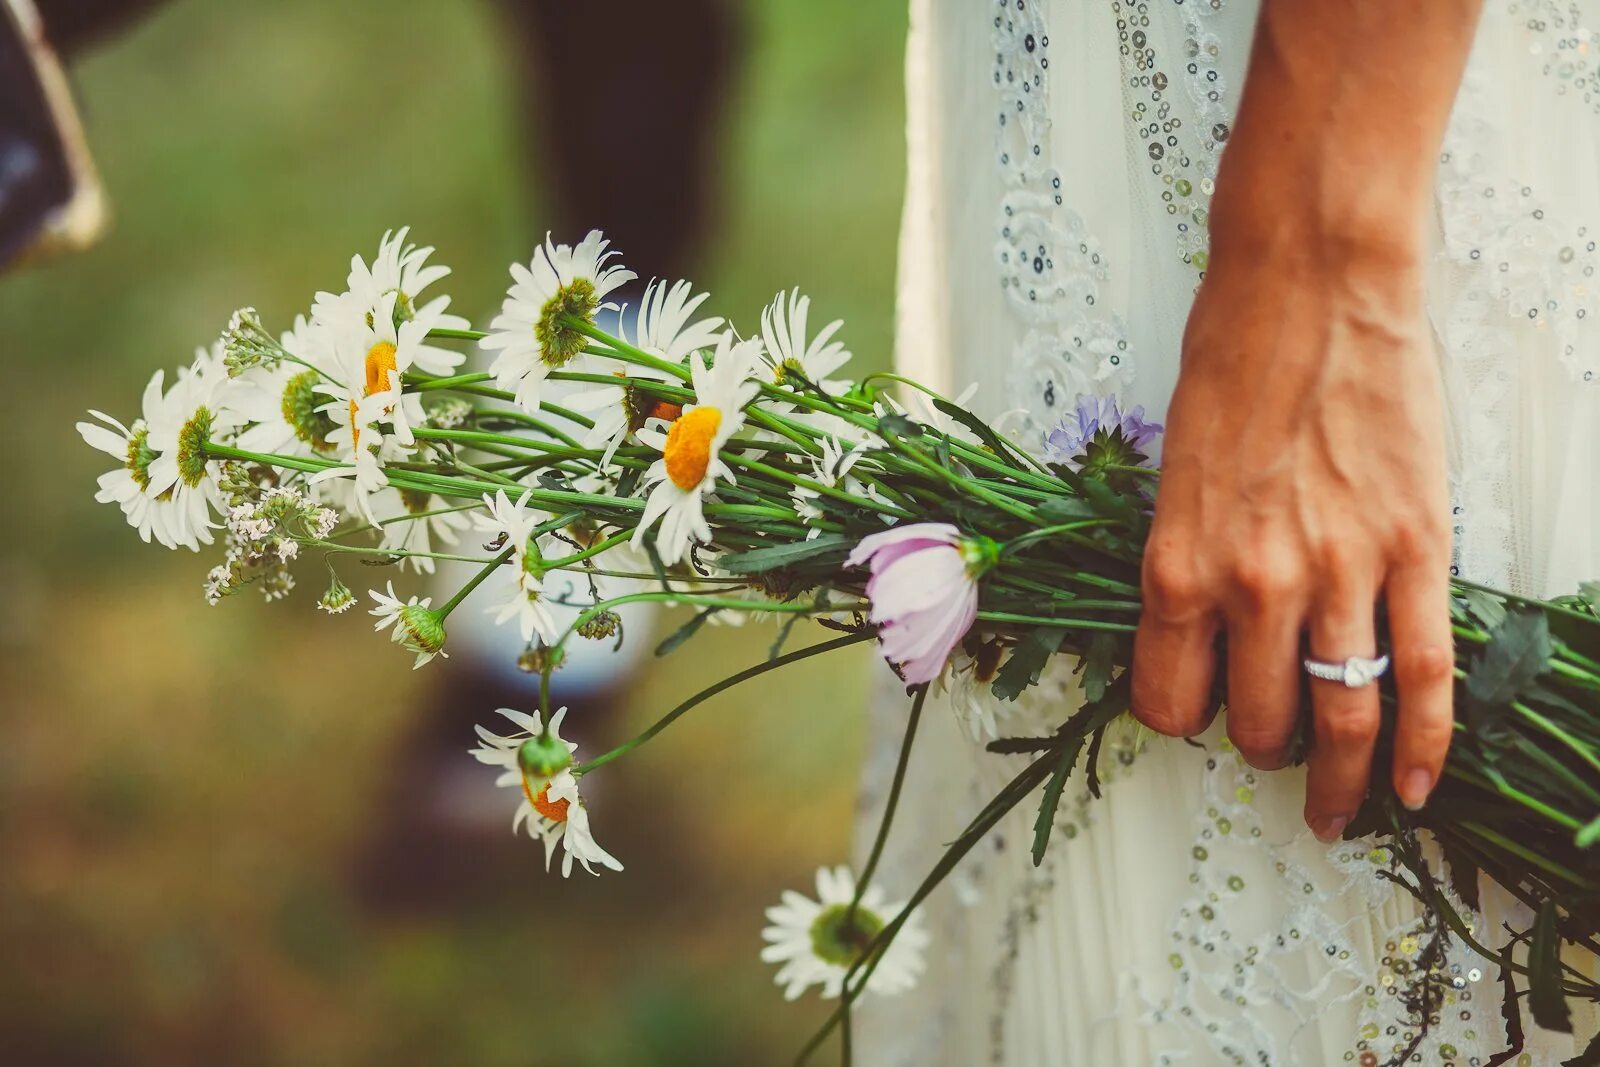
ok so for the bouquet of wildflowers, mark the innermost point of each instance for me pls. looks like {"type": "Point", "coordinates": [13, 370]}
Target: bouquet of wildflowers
{"type": "Point", "coordinates": [680, 460]}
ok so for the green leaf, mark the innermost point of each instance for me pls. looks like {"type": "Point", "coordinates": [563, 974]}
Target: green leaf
{"type": "Point", "coordinates": [1487, 608]}
{"type": "Point", "coordinates": [684, 632]}
{"type": "Point", "coordinates": [1589, 1057]}
{"type": "Point", "coordinates": [1091, 765]}
{"type": "Point", "coordinates": [1014, 745]}
{"type": "Point", "coordinates": [1107, 501]}
{"type": "Point", "coordinates": [1026, 662]}
{"type": "Point", "coordinates": [899, 426]}
{"type": "Point", "coordinates": [757, 560]}
{"type": "Point", "coordinates": [1518, 653]}
{"type": "Point", "coordinates": [1087, 720]}
{"type": "Point", "coordinates": [966, 418]}
{"type": "Point", "coordinates": [1097, 665]}
{"type": "Point", "coordinates": [1545, 999]}
{"type": "Point", "coordinates": [1511, 1012]}
{"type": "Point", "coordinates": [1463, 873]}
{"type": "Point", "coordinates": [1059, 510]}
{"type": "Point", "coordinates": [1588, 835]}
{"type": "Point", "coordinates": [1046, 819]}
{"type": "Point", "coordinates": [1589, 593]}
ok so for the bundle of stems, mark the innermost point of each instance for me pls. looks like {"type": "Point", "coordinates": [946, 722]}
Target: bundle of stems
{"type": "Point", "coordinates": [818, 468]}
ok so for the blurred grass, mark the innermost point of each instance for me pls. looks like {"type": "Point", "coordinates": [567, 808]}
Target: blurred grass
{"type": "Point", "coordinates": [190, 797]}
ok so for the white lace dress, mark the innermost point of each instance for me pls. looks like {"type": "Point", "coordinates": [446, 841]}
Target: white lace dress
{"type": "Point", "coordinates": [1061, 164]}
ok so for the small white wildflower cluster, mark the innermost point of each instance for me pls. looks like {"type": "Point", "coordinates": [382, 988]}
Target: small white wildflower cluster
{"type": "Point", "coordinates": [263, 537]}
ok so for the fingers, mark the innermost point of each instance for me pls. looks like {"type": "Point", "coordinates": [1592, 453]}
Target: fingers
{"type": "Point", "coordinates": [1264, 681]}
{"type": "Point", "coordinates": [1345, 720]}
{"type": "Point", "coordinates": [1173, 651]}
{"type": "Point", "coordinates": [1419, 630]}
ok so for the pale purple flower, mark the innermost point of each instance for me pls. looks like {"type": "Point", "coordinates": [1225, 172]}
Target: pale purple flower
{"type": "Point", "coordinates": [1098, 433]}
{"type": "Point", "coordinates": [923, 592]}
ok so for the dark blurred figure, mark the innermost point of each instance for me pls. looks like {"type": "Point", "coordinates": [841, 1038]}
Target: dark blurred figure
{"type": "Point", "coordinates": [630, 147]}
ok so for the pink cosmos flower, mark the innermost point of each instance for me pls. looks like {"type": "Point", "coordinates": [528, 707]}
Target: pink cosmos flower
{"type": "Point", "coordinates": [923, 592]}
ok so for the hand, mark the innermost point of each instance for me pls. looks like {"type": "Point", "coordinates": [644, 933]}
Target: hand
{"type": "Point", "coordinates": [1303, 478]}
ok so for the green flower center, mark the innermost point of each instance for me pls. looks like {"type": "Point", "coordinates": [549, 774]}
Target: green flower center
{"type": "Point", "coordinates": [402, 309]}
{"type": "Point", "coordinates": [559, 342]}
{"type": "Point", "coordinates": [790, 372]}
{"type": "Point", "coordinates": [416, 501]}
{"type": "Point", "coordinates": [1109, 448]}
{"type": "Point", "coordinates": [192, 440]}
{"type": "Point", "coordinates": [840, 938]}
{"type": "Point", "coordinates": [140, 456]}
{"type": "Point", "coordinates": [300, 404]}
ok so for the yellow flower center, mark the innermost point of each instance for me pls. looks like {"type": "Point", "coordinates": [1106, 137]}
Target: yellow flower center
{"type": "Point", "coordinates": [688, 449]}
{"type": "Point", "coordinates": [554, 810]}
{"type": "Point", "coordinates": [381, 366]}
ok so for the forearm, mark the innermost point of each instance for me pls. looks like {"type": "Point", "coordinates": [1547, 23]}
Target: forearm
{"type": "Point", "coordinates": [1338, 131]}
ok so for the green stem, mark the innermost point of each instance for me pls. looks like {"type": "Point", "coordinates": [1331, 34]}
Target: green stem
{"type": "Point", "coordinates": [477, 580]}
{"type": "Point", "coordinates": [887, 821]}
{"type": "Point", "coordinates": [706, 694]}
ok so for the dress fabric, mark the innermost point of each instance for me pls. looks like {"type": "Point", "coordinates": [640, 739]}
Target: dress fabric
{"type": "Point", "coordinates": [1061, 163]}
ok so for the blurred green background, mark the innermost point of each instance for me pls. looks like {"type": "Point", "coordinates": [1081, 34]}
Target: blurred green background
{"type": "Point", "coordinates": [219, 837]}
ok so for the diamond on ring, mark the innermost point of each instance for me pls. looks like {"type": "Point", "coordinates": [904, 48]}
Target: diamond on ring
{"type": "Point", "coordinates": [1354, 673]}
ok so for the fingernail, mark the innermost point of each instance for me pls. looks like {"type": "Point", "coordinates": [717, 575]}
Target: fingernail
{"type": "Point", "coordinates": [1414, 789]}
{"type": "Point", "coordinates": [1329, 828]}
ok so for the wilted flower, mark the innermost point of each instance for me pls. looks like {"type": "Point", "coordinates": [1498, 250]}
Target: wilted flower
{"type": "Point", "coordinates": [539, 763]}
{"type": "Point", "coordinates": [923, 592]}
{"type": "Point", "coordinates": [818, 941]}
{"type": "Point", "coordinates": [416, 626]}
{"type": "Point", "coordinates": [1099, 434]}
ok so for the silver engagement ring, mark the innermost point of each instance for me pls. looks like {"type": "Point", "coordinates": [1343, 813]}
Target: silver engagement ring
{"type": "Point", "coordinates": [1355, 672]}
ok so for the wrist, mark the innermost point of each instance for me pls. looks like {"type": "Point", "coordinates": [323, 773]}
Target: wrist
{"type": "Point", "coordinates": [1321, 210]}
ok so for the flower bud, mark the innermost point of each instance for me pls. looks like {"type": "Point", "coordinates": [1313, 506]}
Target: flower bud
{"type": "Point", "coordinates": [424, 629]}
{"type": "Point", "coordinates": [543, 756]}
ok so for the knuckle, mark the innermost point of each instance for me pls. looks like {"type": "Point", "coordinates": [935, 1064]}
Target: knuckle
{"type": "Point", "coordinates": [1423, 665]}
{"type": "Point", "coordinates": [1348, 727]}
{"type": "Point", "coordinates": [1264, 577]}
{"type": "Point", "coordinates": [1338, 555]}
{"type": "Point", "coordinates": [1430, 735]}
{"type": "Point", "coordinates": [1172, 583]}
{"type": "Point", "coordinates": [1419, 538]}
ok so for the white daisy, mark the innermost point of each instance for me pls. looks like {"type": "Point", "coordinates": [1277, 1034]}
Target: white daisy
{"type": "Point", "coordinates": [511, 524]}
{"type": "Point", "coordinates": [530, 332]}
{"type": "Point", "coordinates": [196, 410]}
{"type": "Point", "coordinates": [832, 469]}
{"type": "Point", "coordinates": [405, 530]}
{"type": "Point", "coordinates": [690, 465]}
{"type": "Point", "coordinates": [551, 806]}
{"type": "Point", "coordinates": [391, 289]}
{"type": "Point", "coordinates": [818, 941]}
{"type": "Point", "coordinates": [370, 412]}
{"type": "Point", "coordinates": [663, 328]}
{"type": "Point", "coordinates": [280, 399]}
{"type": "Point", "coordinates": [783, 331]}
{"type": "Point", "coordinates": [415, 626]}
{"type": "Point", "coordinates": [126, 485]}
